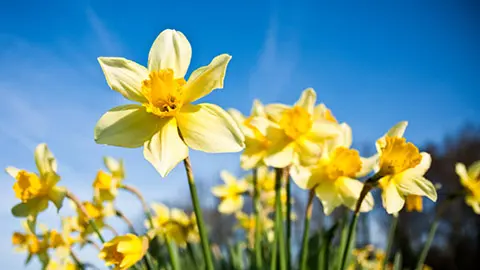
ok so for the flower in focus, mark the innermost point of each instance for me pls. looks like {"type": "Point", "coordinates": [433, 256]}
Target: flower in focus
{"type": "Point", "coordinates": [414, 203]}
{"type": "Point", "coordinates": [256, 140]}
{"type": "Point", "coordinates": [295, 136]}
{"type": "Point", "coordinates": [230, 194]}
{"type": "Point", "coordinates": [164, 121]}
{"type": "Point", "coordinates": [36, 190]}
{"type": "Point", "coordinates": [470, 179]}
{"type": "Point", "coordinates": [401, 167]}
{"type": "Point", "coordinates": [124, 251]}
{"type": "Point", "coordinates": [334, 175]}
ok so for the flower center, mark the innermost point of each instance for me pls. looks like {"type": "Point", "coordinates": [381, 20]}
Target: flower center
{"type": "Point", "coordinates": [343, 162]}
{"type": "Point", "coordinates": [18, 238]}
{"type": "Point", "coordinates": [103, 181]}
{"type": "Point", "coordinates": [27, 186]}
{"type": "Point", "coordinates": [112, 255]}
{"type": "Point", "coordinates": [398, 155]}
{"type": "Point", "coordinates": [163, 92]}
{"type": "Point", "coordinates": [296, 122]}
{"type": "Point", "coordinates": [55, 239]}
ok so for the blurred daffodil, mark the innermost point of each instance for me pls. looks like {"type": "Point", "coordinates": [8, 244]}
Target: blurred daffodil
{"type": "Point", "coordinates": [97, 212]}
{"type": "Point", "coordinates": [124, 251]}
{"type": "Point", "coordinates": [36, 190]}
{"type": "Point", "coordinates": [414, 203]}
{"type": "Point", "coordinates": [164, 121]}
{"type": "Point", "coordinates": [470, 179]}
{"type": "Point", "coordinates": [35, 246]}
{"type": "Point", "coordinates": [401, 168]}
{"type": "Point", "coordinates": [230, 194]}
{"type": "Point", "coordinates": [334, 175]}
{"type": "Point", "coordinates": [247, 223]}
{"type": "Point", "coordinates": [62, 265]}
{"type": "Point", "coordinates": [295, 136]}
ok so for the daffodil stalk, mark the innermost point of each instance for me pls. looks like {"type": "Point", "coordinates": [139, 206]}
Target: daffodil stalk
{"type": "Point", "coordinates": [111, 229]}
{"type": "Point", "coordinates": [80, 206]}
{"type": "Point", "coordinates": [391, 236]}
{"type": "Point", "coordinates": [95, 245]}
{"type": "Point", "coordinates": [279, 234]}
{"type": "Point", "coordinates": [289, 218]}
{"type": "Point", "coordinates": [256, 211]}
{"type": "Point", "coordinates": [127, 221]}
{"type": "Point", "coordinates": [207, 255]}
{"type": "Point", "coordinates": [77, 261]}
{"type": "Point", "coordinates": [306, 228]}
{"type": "Point", "coordinates": [172, 253]}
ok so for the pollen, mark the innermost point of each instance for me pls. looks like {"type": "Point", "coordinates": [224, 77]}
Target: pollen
{"type": "Point", "coordinates": [27, 186]}
{"type": "Point", "coordinates": [398, 156]}
{"type": "Point", "coordinates": [163, 92]}
{"type": "Point", "coordinates": [343, 162]}
{"type": "Point", "coordinates": [296, 122]}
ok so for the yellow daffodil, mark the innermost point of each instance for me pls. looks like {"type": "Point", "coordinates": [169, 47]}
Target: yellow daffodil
{"type": "Point", "coordinates": [105, 186]}
{"type": "Point", "coordinates": [165, 122]}
{"type": "Point", "coordinates": [62, 265]}
{"type": "Point", "coordinates": [401, 168]}
{"type": "Point", "coordinates": [470, 179]}
{"type": "Point", "coordinates": [295, 136]}
{"type": "Point", "coordinates": [96, 211]}
{"type": "Point", "coordinates": [36, 190]}
{"type": "Point", "coordinates": [247, 223]}
{"type": "Point", "coordinates": [124, 251]}
{"type": "Point", "coordinates": [334, 175]}
{"type": "Point", "coordinates": [230, 194]}
{"type": "Point", "coordinates": [31, 243]}
{"type": "Point", "coordinates": [414, 203]}
{"type": "Point", "coordinates": [368, 258]}
{"type": "Point", "coordinates": [256, 140]}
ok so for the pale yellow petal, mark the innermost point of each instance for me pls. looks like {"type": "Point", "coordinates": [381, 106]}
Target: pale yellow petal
{"type": "Point", "coordinates": [393, 201]}
{"type": "Point", "coordinates": [44, 160]}
{"type": "Point", "coordinates": [253, 154]}
{"type": "Point", "coordinates": [475, 204]}
{"type": "Point", "coordinates": [328, 195]}
{"type": "Point", "coordinates": [368, 165]}
{"type": "Point", "coordinates": [416, 186]}
{"type": "Point", "coordinates": [208, 128]}
{"type": "Point", "coordinates": [124, 76]}
{"type": "Point", "coordinates": [258, 109]}
{"type": "Point", "coordinates": [396, 131]}
{"type": "Point", "coordinates": [231, 205]}
{"type": "Point", "coordinates": [227, 177]}
{"type": "Point", "coordinates": [461, 171]}
{"type": "Point", "coordinates": [220, 191]}
{"type": "Point", "coordinates": [301, 176]}
{"type": "Point", "coordinates": [170, 50]}
{"type": "Point", "coordinates": [126, 126]}
{"type": "Point", "coordinates": [474, 170]}
{"type": "Point", "coordinates": [350, 190]}
{"type": "Point", "coordinates": [206, 79]}
{"type": "Point", "coordinates": [322, 130]}
{"type": "Point", "coordinates": [307, 100]}
{"type": "Point", "coordinates": [422, 167]}
{"type": "Point", "coordinates": [275, 111]}
{"type": "Point", "coordinates": [160, 210]}
{"type": "Point", "coordinates": [165, 149]}
{"type": "Point", "coordinates": [280, 155]}
{"type": "Point", "coordinates": [12, 171]}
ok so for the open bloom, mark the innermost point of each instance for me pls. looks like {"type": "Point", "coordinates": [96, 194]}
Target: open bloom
{"type": "Point", "coordinates": [401, 168]}
{"type": "Point", "coordinates": [230, 194]}
{"type": "Point", "coordinates": [36, 190]}
{"type": "Point", "coordinates": [164, 121]}
{"type": "Point", "coordinates": [256, 140]}
{"type": "Point", "coordinates": [124, 251]}
{"type": "Point", "coordinates": [334, 175]}
{"type": "Point", "coordinates": [295, 136]}
{"type": "Point", "coordinates": [33, 244]}
{"type": "Point", "coordinates": [470, 179]}
{"type": "Point", "coordinates": [106, 184]}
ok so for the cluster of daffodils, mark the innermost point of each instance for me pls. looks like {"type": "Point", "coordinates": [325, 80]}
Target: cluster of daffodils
{"type": "Point", "coordinates": [280, 144]}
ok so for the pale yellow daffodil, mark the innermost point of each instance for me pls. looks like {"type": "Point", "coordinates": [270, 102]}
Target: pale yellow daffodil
{"type": "Point", "coordinates": [256, 140]}
{"type": "Point", "coordinates": [230, 194]}
{"type": "Point", "coordinates": [36, 190]}
{"type": "Point", "coordinates": [164, 121]}
{"type": "Point", "coordinates": [401, 169]}
{"type": "Point", "coordinates": [294, 135]}
{"type": "Point", "coordinates": [106, 184]}
{"type": "Point", "coordinates": [333, 177]}
{"type": "Point", "coordinates": [470, 179]}
{"type": "Point", "coordinates": [31, 243]}
{"type": "Point", "coordinates": [124, 251]}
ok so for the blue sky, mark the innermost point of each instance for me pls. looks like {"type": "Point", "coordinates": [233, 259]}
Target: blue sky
{"type": "Point", "coordinates": [373, 64]}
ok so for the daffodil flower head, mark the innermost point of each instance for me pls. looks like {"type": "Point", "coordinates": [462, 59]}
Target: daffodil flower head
{"type": "Point", "coordinates": [124, 251]}
{"type": "Point", "coordinates": [105, 186]}
{"type": "Point", "coordinates": [247, 223]}
{"type": "Point", "coordinates": [401, 170]}
{"type": "Point", "coordinates": [470, 179]}
{"type": "Point", "coordinates": [414, 203]}
{"type": "Point", "coordinates": [164, 121]}
{"type": "Point", "coordinates": [36, 190]}
{"type": "Point", "coordinates": [230, 194]}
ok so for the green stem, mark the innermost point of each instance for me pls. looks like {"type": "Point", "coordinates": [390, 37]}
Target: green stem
{"type": "Point", "coordinates": [279, 218]}
{"type": "Point", "coordinates": [258, 234]}
{"type": "Point", "coordinates": [391, 237]}
{"type": "Point", "coordinates": [198, 212]}
{"type": "Point", "coordinates": [191, 252]}
{"type": "Point", "coordinates": [306, 229]}
{"type": "Point", "coordinates": [82, 209]}
{"type": "Point", "coordinates": [289, 219]}
{"type": "Point", "coordinates": [274, 257]}
{"type": "Point", "coordinates": [424, 253]}
{"type": "Point", "coordinates": [172, 252]}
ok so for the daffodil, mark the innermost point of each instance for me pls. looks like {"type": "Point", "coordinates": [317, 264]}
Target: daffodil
{"type": "Point", "coordinates": [35, 246]}
{"type": "Point", "coordinates": [334, 176]}
{"type": "Point", "coordinates": [256, 140]}
{"type": "Point", "coordinates": [368, 258]}
{"type": "Point", "coordinates": [470, 179]}
{"type": "Point", "coordinates": [95, 211]}
{"type": "Point", "coordinates": [414, 203]}
{"type": "Point", "coordinates": [247, 223]}
{"type": "Point", "coordinates": [401, 170]}
{"type": "Point", "coordinates": [294, 135]}
{"type": "Point", "coordinates": [36, 190]}
{"type": "Point", "coordinates": [164, 121]}
{"type": "Point", "coordinates": [230, 194]}
{"type": "Point", "coordinates": [124, 251]}
{"type": "Point", "coordinates": [62, 265]}
{"type": "Point", "coordinates": [105, 186]}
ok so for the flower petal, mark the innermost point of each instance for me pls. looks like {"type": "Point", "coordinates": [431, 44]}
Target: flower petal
{"type": "Point", "coordinates": [329, 197]}
{"type": "Point", "coordinates": [231, 205]}
{"type": "Point", "coordinates": [208, 128]}
{"type": "Point", "coordinates": [368, 165]}
{"type": "Point", "coordinates": [393, 201]}
{"type": "Point", "coordinates": [228, 178]}
{"type": "Point", "coordinates": [56, 195]}
{"type": "Point", "coordinates": [124, 76]}
{"type": "Point", "coordinates": [12, 171]}
{"type": "Point", "coordinates": [417, 186]}
{"type": "Point", "coordinates": [350, 190]}
{"type": "Point", "coordinates": [258, 109]}
{"type": "Point", "coordinates": [253, 154]}
{"type": "Point", "coordinates": [474, 170]}
{"type": "Point", "coordinates": [172, 50]}
{"type": "Point", "coordinates": [126, 126]}
{"type": "Point", "coordinates": [396, 131]}
{"type": "Point", "coordinates": [280, 155]}
{"type": "Point", "coordinates": [322, 130]}
{"type": "Point", "coordinates": [422, 167]}
{"type": "Point", "coordinates": [461, 171]}
{"type": "Point", "coordinates": [165, 149]}
{"type": "Point", "coordinates": [302, 177]}
{"type": "Point", "coordinates": [307, 100]}
{"type": "Point", "coordinates": [275, 111]}
{"type": "Point", "coordinates": [206, 79]}
{"type": "Point", "coordinates": [44, 160]}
